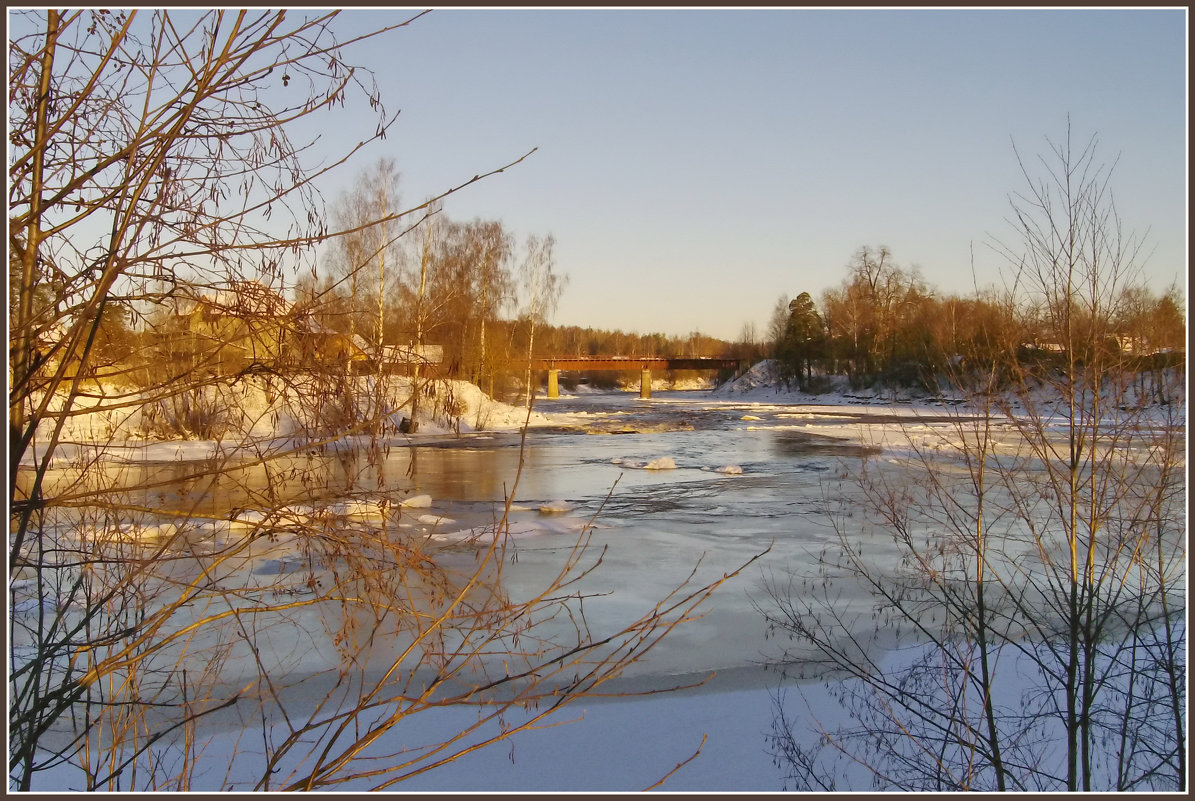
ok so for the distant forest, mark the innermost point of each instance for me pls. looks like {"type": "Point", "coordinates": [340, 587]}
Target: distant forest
{"type": "Point", "coordinates": [884, 325]}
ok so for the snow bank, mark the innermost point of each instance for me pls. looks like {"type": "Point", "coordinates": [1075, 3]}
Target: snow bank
{"type": "Point", "coordinates": [904, 422]}
{"type": "Point", "coordinates": [763, 383]}
{"type": "Point", "coordinates": [126, 425]}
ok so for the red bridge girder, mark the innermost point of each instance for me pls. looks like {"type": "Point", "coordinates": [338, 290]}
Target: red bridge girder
{"type": "Point", "coordinates": [583, 363]}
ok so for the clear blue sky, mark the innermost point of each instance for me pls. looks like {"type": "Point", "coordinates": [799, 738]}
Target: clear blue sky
{"type": "Point", "coordinates": [695, 165]}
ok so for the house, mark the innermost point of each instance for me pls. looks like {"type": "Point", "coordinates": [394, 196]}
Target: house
{"type": "Point", "coordinates": [317, 345]}
{"type": "Point", "coordinates": [226, 328]}
{"type": "Point", "coordinates": [229, 327]}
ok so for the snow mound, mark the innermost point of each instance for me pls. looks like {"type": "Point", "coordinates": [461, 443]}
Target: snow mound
{"type": "Point", "coordinates": [763, 375]}
{"type": "Point", "coordinates": [362, 509]}
{"type": "Point", "coordinates": [259, 416]}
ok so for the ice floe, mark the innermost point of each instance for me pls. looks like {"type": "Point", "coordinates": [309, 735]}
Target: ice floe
{"type": "Point", "coordinates": [661, 463]}
{"type": "Point", "coordinates": [539, 526]}
{"type": "Point", "coordinates": [417, 502]}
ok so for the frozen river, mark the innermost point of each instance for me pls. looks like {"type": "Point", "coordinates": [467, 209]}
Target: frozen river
{"type": "Point", "coordinates": [686, 486]}
{"type": "Point", "coordinates": [668, 483]}
{"type": "Point", "coordinates": [683, 481]}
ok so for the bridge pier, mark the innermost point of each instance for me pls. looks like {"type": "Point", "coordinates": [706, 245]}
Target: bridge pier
{"type": "Point", "coordinates": [645, 384]}
{"type": "Point", "coordinates": [553, 383]}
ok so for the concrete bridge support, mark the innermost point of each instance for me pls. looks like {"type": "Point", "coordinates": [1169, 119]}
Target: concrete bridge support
{"type": "Point", "coordinates": [645, 384]}
{"type": "Point", "coordinates": [553, 383]}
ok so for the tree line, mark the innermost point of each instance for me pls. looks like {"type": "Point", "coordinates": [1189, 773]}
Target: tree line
{"type": "Point", "coordinates": [883, 324]}
{"type": "Point", "coordinates": [471, 287]}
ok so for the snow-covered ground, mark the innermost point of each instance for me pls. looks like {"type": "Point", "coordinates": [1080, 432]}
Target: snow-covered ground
{"type": "Point", "coordinates": [619, 744]}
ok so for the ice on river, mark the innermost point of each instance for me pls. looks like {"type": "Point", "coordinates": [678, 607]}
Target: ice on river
{"type": "Point", "coordinates": [752, 473]}
{"type": "Point", "coordinates": [421, 501]}
{"type": "Point", "coordinates": [516, 530]}
{"type": "Point", "coordinates": [659, 463]}
{"type": "Point", "coordinates": [659, 507]}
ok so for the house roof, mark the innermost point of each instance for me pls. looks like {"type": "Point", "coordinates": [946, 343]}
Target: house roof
{"type": "Point", "coordinates": [314, 326]}
{"type": "Point", "coordinates": [236, 299]}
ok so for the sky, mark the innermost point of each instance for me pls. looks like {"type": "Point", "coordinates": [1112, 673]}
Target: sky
{"type": "Point", "coordinates": [696, 165]}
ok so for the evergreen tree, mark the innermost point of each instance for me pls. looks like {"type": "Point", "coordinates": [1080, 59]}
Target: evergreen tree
{"type": "Point", "coordinates": [804, 341]}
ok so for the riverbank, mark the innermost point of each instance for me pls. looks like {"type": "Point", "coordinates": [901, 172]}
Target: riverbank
{"type": "Point", "coordinates": [264, 415]}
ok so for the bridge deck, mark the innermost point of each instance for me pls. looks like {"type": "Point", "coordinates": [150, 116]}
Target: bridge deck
{"type": "Point", "coordinates": [579, 363]}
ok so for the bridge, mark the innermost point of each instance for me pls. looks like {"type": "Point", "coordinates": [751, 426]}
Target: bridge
{"type": "Point", "coordinates": [645, 364]}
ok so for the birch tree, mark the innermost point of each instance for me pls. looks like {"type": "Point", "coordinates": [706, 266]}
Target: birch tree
{"type": "Point", "coordinates": [541, 286]}
{"type": "Point", "coordinates": [362, 260]}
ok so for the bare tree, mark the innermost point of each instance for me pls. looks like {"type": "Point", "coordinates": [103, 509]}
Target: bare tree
{"type": "Point", "coordinates": [541, 287]}
{"type": "Point", "coordinates": [271, 583]}
{"type": "Point", "coordinates": [420, 315]}
{"type": "Point", "coordinates": [469, 282]}
{"type": "Point", "coordinates": [778, 323]}
{"type": "Point", "coordinates": [143, 154]}
{"type": "Point", "coordinates": [1038, 549]}
{"type": "Point", "coordinates": [356, 257]}
{"type": "Point", "coordinates": [873, 317]}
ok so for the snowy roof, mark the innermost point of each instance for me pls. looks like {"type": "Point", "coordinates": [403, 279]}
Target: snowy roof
{"type": "Point", "coordinates": [314, 326]}
{"type": "Point", "coordinates": [236, 299]}
{"type": "Point", "coordinates": [410, 354]}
